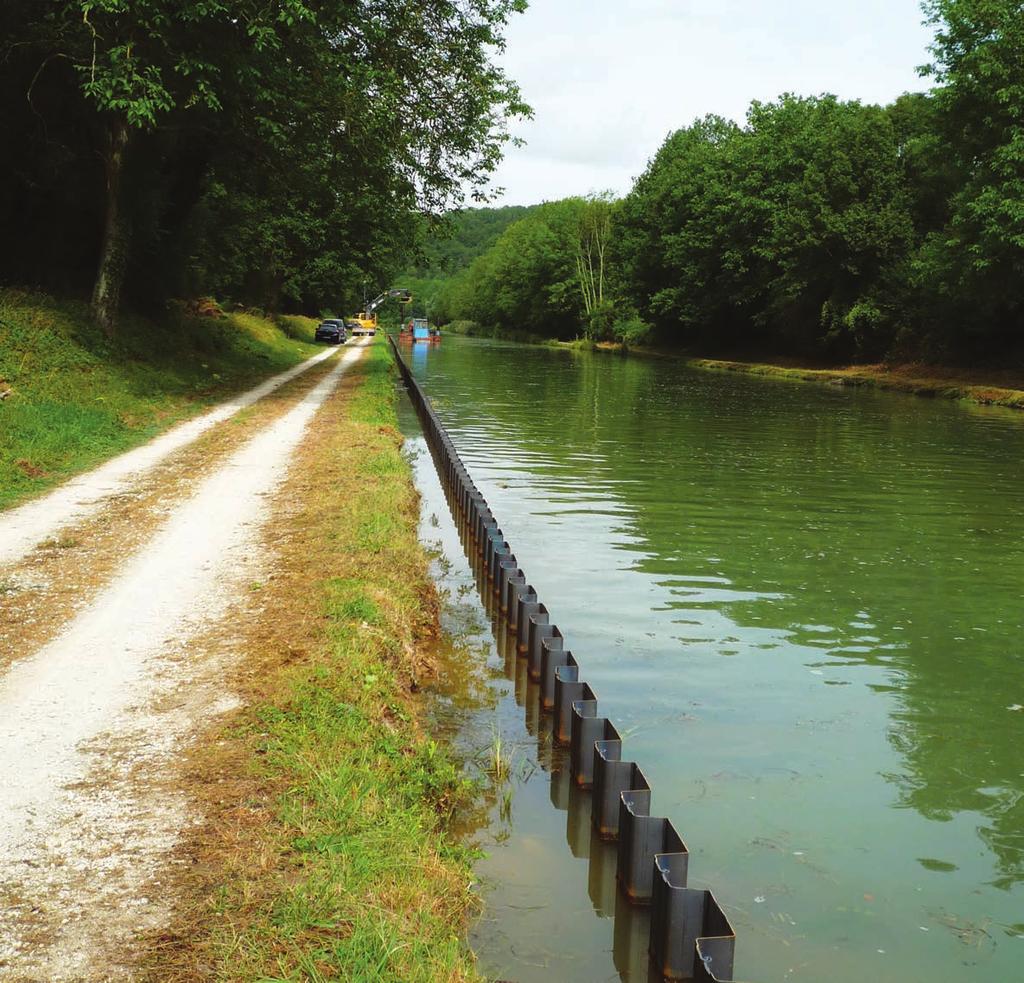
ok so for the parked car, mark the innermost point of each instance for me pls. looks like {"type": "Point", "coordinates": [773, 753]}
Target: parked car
{"type": "Point", "coordinates": [332, 331]}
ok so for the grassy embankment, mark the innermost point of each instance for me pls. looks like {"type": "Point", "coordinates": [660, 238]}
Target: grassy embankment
{"type": "Point", "coordinates": [988, 387]}
{"type": "Point", "coordinates": [74, 398]}
{"type": "Point", "coordinates": [324, 854]}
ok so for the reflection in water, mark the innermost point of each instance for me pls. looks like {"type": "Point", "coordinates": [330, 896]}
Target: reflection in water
{"type": "Point", "coordinates": [577, 824]}
{"type": "Point", "coordinates": [632, 930]}
{"type": "Point", "coordinates": [576, 945]}
{"type": "Point", "coordinates": [814, 599]}
{"type": "Point", "coordinates": [418, 355]}
{"type": "Point", "coordinates": [602, 885]}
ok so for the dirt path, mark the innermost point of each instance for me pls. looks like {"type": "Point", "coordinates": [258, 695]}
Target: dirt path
{"type": "Point", "coordinates": [58, 579]}
{"type": "Point", "coordinates": [42, 518]}
{"type": "Point", "coordinates": [89, 722]}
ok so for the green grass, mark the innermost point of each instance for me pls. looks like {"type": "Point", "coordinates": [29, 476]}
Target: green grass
{"type": "Point", "coordinates": [75, 398]}
{"type": "Point", "coordinates": [356, 877]}
{"type": "Point", "coordinates": [942, 383]}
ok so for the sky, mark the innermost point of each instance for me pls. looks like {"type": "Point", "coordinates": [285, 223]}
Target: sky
{"type": "Point", "coordinates": [608, 80]}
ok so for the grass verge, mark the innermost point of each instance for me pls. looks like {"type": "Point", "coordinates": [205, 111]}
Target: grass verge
{"type": "Point", "coordinates": [324, 852]}
{"type": "Point", "coordinates": [70, 397]}
{"type": "Point", "coordinates": [54, 581]}
{"type": "Point", "coordinates": [913, 379]}
{"type": "Point", "coordinates": [989, 388]}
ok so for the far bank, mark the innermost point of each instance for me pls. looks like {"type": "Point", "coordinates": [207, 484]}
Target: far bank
{"type": "Point", "coordinates": [984, 386]}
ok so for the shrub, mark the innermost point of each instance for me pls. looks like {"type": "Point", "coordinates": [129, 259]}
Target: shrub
{"type": "Point", "coordinates": [633, 330]}
{"type": "Point", "coordinates": [468, 328]}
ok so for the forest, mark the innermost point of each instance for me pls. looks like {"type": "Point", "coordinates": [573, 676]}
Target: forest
{"type": "Point", "coordinates": [293, 156]}
{"type": "Point", "coordinates": [447, 247]}
{"type": "Point", "coordinates": [818, 227]}
{"type": "Point", "coordinates": [279, 154]}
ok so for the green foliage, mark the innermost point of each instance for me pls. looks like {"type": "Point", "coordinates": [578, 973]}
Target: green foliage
{"type": "Point", "coordinates": [527, 282]}
{"type": "Point", "coordinates": [632, 330]}
{"type": "Point", "coordinates": [600, 323]}
{"type": "Point", "coordinates": [772, 233]}
{"type": "Point", "coordinates": [468, 328]}
{"type": "Point", "coordinates": [818, 227]}
{"type": "Point", "coordinates": [970, 270]}
{"type": "Point", "coordinates": [463, 236]}
{"type": "Point", "coordinates": [592, 245]}
{"type": "Point", "coordinates": [788, 233]}
{"type": "Point", "coordinates": [296, 154]}
{"type": "Point", "coordinates": [449, 246]}
{"type": "Point", "coordinates": [275, 153]}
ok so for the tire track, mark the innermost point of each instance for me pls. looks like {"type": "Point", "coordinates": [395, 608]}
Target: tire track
{"type": "Point", "coordinates": [27, 525]}
{"type": "Point", "coordinates": [87, 722]}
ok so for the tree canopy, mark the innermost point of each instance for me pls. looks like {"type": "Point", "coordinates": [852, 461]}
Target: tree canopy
{"type": "Point", "coordinates": [971, 269]}
{"type": "Point", "coordinates": [528, 280]}
{"type": "Point", "coordinates": [818, 226]}
{"type": "Point", "coordinates": [265, 150]}
{"type": "Point", "coordinates": [290, 154]}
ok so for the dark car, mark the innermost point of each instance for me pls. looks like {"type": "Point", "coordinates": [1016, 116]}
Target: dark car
{"type": "Point", "coordinates": [332, 331]}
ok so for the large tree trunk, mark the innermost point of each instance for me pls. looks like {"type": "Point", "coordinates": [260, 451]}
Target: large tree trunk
{"type": "Point", "coordinates": [117, 233]}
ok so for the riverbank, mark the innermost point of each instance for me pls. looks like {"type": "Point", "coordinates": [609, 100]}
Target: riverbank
{"type": "Point", "coordinates": [323, 851]}
{"type": "Point", "coordinates": [70, 397]}
{"type": "Point", "coordinates": [990, 389]}
{"type": "Point", "coordinates": [986, 387]}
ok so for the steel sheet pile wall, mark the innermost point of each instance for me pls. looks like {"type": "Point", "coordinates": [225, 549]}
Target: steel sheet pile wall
{"type": "Point", "coordinates": [690, 936]}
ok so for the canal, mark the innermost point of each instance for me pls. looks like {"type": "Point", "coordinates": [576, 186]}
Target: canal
{"type": "Point", "coordinates": [801, 605]}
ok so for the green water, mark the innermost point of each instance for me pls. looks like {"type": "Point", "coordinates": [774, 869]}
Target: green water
{"type": "Point", "coordinates": [804, 607]}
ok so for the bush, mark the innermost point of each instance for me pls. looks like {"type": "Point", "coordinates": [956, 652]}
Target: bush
{"type": "Point", "coordinates": [632, 330]}
{"type": "Point", "coordinates": [600, 325]}
{"type": "Point", "coordinates": [469, 328]}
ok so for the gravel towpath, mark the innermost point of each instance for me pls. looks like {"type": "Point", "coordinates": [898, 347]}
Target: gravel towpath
{"type": "Point", "coordinates": [88, 721]}
{"type": "Point", "coordinates": [30, 524]}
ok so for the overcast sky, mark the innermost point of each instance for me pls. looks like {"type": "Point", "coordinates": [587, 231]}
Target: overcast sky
{"type": "Point", "coordinates": [609, 79]}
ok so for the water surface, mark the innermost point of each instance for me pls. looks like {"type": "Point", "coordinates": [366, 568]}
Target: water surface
{"type": "Point", "coordinates": [803, 605]}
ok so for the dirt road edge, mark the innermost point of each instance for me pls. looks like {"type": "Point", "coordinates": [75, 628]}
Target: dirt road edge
{"type": "Point", "coordinates": [323, 851]}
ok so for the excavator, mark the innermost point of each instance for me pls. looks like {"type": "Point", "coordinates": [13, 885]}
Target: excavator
{"type": "Point", "coordinates": [367, 320]}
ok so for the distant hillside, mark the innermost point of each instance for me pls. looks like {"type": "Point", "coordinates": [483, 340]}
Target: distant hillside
{"type": "Point", "coordinates": [472, 232]}
{"type": "Point", "coordinates": [463, 237]}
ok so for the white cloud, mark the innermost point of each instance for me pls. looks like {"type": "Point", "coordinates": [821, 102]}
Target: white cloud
{"type": "Point", "coordinates": [609, 79]}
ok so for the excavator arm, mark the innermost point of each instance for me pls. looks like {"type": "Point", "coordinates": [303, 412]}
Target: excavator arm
{"type": "Point", "coordinates": [402, 296]}
{"type": "Point", "coordinates": [368, 319]}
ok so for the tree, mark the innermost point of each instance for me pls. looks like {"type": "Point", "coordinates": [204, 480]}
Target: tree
{"type": "Point", "coordinates": [783, 233]}
{"type": "Point", "coordinates": [973, 270]}
{"type": "Point", "coordinates": [459, 237]}
{"type": "Point", "coordinates": [139, 64]}
{"type": "Point", "coordinates": [394, 86]}
{"type": "Point", "coordinates": [820, 226]}
{"type": "Point", "coordinates": [825, 178]}
{"type": "Point", "coordinates": [679, 236]}
{"type": "Point", "coordinates": [593, 233]}
{"type": "Point", "coordinates": [528, 281]}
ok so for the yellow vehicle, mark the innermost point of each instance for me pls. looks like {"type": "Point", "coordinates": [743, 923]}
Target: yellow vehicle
{"type": "Point", "coordinates": [367, 320]}
{"type": "Point", "coordinates": [367, 323]}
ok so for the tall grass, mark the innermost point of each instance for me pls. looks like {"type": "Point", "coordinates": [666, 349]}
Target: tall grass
{"type": "Point", "coordinates": [74, 397]}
